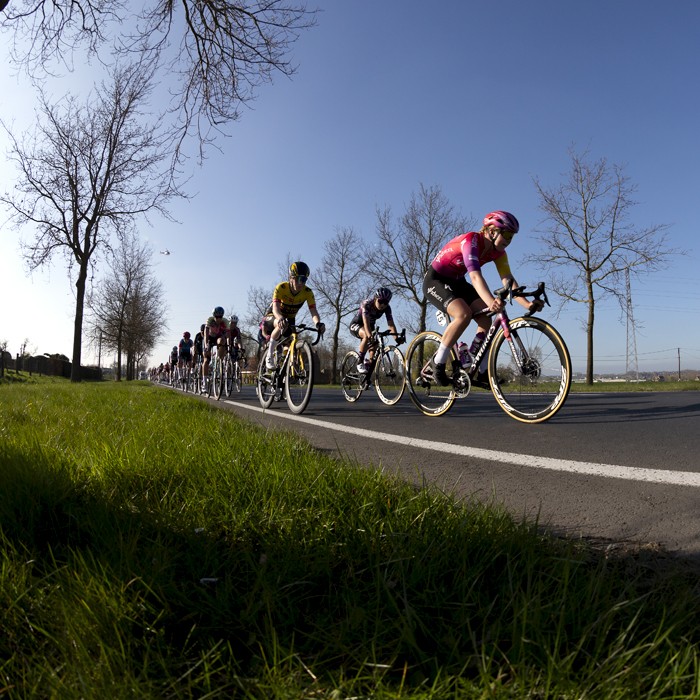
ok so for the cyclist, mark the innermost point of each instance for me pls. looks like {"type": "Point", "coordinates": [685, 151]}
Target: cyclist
{"type": "Point", "coordinates": [446, 287]}
{"type": "Point", "coordinates": [364, 320]}
{"type": "Point", "coordinates": [236, 338]}
{"type": "Point", "coordinates": [198, 343]}
{"type": "Point", "coordinates": [172, 360]}
{"type": "Point", "coordinates": [185, 350]}
{"type": "Point", "coordinates": [216, 332]}
{"type": "Point", "coordinates": [287, 299]}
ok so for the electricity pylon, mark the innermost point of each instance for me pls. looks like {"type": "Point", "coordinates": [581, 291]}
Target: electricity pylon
{"type": "Point", "coordinates": [631, 364]}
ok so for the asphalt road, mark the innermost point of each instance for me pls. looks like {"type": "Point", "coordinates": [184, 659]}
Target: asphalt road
{"type": "Point", "coordinates": [630, 445]}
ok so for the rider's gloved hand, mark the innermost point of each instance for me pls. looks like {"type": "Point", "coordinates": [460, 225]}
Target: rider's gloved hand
{"type": "Point", "coordinates": [321, 327]}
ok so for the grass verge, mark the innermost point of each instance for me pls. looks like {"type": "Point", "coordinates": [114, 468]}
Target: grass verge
{"type": "Point", "coordinates": [152, 546]}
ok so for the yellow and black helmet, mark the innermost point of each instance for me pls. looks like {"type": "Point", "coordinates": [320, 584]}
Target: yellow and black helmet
{"type": "Point", "coordinates": [300, 271]}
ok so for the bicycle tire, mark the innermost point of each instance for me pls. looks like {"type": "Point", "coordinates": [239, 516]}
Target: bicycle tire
{"type": "Point", "coordinates": [197, 378]}
{"type": "Point", "coordinates": [209, 380]}
{"type": "Point", "coordinates": [237, 376]}
{"type": "Point", "coordinates": [350, 380]}
{"type": "Point", "coordinates": [299, 377]}
{"type": "Point", "coordinates": [227, 371]}
{"type": "Point", "coordinates": [427, 397]}
{"type": "Point", "coordinates": [267, 386]}
{"type": "Point", "coordinates": [217, 378]}
{"type": "Point", "coordinates": [537, 393]}
{"type": "Point", "coordinates": [390, 375]}
{"type": "Point", "coordinates": [186, 381]}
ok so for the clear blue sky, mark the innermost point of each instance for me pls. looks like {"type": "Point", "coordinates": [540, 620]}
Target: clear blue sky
{"type": "Point", "coordinates": [475, 97]}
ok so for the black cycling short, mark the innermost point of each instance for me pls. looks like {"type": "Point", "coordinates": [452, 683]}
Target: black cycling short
{"type": "Point", "coordinates": [441, 290]}
{"type": "Point", "coordinates": [355, 328]}
{"type": "Point", "coordinates": [269, 325]}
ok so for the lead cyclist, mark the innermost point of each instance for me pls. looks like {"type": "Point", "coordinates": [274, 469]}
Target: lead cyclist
{"type": "Point", "coordinates": [446, 287]}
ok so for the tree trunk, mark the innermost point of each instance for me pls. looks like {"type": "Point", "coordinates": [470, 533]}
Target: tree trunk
{"type": "Point", "coordinates": [589, 334]}
{"type": "Point", "coordinates": [336, 332]}
{"type": "Point", "coordinates": [423, 315]}
{"type": "Point", "coordinates": [119, 353]}
{"type": "Point", "coordinates": [78, 326]}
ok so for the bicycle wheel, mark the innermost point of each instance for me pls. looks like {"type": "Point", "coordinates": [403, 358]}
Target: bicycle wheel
{"type": "Point", "coordinates": [350, 379]}
{"type": "Point", "coordinates": [186, 380]}
{"type": "Point", "coordinates": [227, 371]}
{"type": "Point", "coordinates": [217, 378]}
{"type": "Point", "coordinates": [197, 378]}
{"type": "Point", "coordinates": [531, 375]}
{"type": "Point", "coordinates": [267, 385]}
{"type": "Point", "coordinates": [390, 375]}
{"type": "Point", "coordinates": [428, 396]}
{"type": "Point", "coordinates": [237, 376]}
{"type": "Point", "coordinates": [299, 378]}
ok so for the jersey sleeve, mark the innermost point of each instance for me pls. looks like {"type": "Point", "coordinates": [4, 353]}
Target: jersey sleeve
{"type": "Point", "coordinates": [470, 252]}
{"type": "Point", "coordinates": [502, 265]}
{"type": "Point", "coordinates": [310, 300]}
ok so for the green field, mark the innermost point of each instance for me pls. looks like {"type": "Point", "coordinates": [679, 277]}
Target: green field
{"type": "Point", "coordinates": [153, 546]}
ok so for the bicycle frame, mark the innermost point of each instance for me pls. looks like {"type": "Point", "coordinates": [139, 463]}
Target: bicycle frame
{"type": "Point", "coordinates": [500, 320]}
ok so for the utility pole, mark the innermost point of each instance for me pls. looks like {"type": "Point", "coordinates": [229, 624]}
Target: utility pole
{"type": "Point", "coordinates": [679, 364]}
{"type": "Point", "coordinates": [631, 364]}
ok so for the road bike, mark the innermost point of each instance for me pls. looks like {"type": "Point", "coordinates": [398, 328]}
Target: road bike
{"type": "Point", "coordinates": [388, 367]}
{"type": "Point", "coordinates": [197, 375]}
{"type": "Point", "coordinates": [293, 378]}
{"type": "Point", "coordinates": [234, 377]}
{"type": "Point", "coordinates": [529, 368]}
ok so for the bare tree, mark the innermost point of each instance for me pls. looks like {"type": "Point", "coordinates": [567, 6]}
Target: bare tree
{"type": "Point", "coordinates": [406, 249]}
{"type": "Point", "coordinates": [128, 305]}
{"type": "Point", "coordinates": [219, 51]}
{"type": "Point", "coordinates": [587, 238]}
{"type": "Point", "coordinates": [86, 171]}
{"type": "Point", "coordinates": [339, 281]}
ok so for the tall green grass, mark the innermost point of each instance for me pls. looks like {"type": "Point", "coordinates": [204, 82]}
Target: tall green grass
{"type": "Point", "coordinates": [155, 547]}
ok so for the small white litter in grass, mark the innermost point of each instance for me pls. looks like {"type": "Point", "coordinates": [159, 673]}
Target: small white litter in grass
{"type": "Point", "coordinates": [263, 559]}
{"type": "Point", "coordinates": [208, 580]}
{"type": "Point", "coordinates": [198, 530]}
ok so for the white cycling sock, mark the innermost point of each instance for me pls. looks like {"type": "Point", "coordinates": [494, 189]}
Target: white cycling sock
{"type": "Point", "coordinates": [271, 346]}
{"type": "Point", "coordinates": [442, 354]}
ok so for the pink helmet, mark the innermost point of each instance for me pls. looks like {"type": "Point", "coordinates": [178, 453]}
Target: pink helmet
{"type": "Point", "coordinates": [502, 219]}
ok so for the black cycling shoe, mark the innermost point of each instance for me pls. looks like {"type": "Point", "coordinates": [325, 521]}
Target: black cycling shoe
{"type": "Point", "coordinates": [482, 381]}
{"type": "Point", "coordinates": [440, 375]}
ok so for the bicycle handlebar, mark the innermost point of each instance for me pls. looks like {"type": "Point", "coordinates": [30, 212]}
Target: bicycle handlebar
{"type": "Point", "coordinates": [400, 338]}
{"type": "Point", "coordinates": [506, 293]}
{"type": "Point", "coordinates": [302, 327]}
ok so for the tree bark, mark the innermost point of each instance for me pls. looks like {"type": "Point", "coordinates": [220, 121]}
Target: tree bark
{"type": "Point", "coordinates": [78, 326]}
{"type": "Point", "coordinates": [589, 334]}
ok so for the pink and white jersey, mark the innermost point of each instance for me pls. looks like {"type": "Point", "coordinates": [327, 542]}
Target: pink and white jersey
{"type": "Point", "coordinates": [465, 253]}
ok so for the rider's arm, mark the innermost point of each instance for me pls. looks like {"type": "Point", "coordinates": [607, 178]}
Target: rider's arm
{"type": "Point", "coordinates": [484, 292]}
{"type": "Point", "coordinates": [277, 311]}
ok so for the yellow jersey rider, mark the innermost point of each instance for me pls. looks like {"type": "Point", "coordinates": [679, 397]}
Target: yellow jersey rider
{"type": "Point", "coordinates": [287, 299]}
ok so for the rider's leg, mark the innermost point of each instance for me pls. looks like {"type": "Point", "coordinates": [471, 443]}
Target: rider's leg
{"type": "Point", "coordinates": [461, 315]}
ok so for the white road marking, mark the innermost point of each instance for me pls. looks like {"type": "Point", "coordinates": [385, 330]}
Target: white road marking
{"type": "Point", "coordinates": [657, 476]}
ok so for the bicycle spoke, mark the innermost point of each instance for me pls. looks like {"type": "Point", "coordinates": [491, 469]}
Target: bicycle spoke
{"type": "Point", "coordinates": [350, 379]}
{"type": "Point", "coordinates": [389, 375]}
{"type": "Point", "coordinates": [299, 377]}
{"type": "Point", "coordinates": [428, 396]}
{"type": "Point", "coordinates": [533, 375]}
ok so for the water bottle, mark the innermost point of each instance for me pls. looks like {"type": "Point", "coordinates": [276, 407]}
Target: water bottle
{"type": "Point", "coordinates": [464, 356]}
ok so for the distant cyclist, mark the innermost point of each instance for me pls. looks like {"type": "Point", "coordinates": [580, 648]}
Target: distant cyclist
{"type": "Point", "coordinates": [364, 320]}
{"type": "Point", "coordinates": [199, 343]}
{"type": "Point", "coordinates": [446, 287]}
{"type": "Point", "coordinates": [287, 299]}
{"type": "Point", "coordinates": [236, 343]}
{"type": "Point", "coordinates": [216, 332]}
{"type": "Point", "coordinates": [185, 350]}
